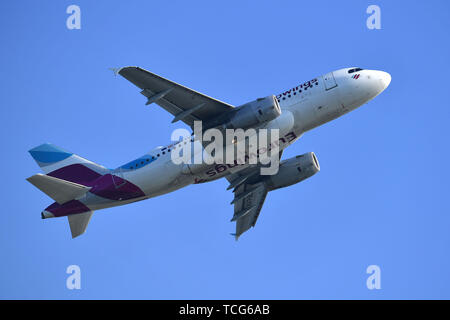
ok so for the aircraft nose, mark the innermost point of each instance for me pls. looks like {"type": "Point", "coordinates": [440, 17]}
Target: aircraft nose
{"type": "Point", "coordinates": [368, 85]}
{"type": "Point", "coordinates": [385, 79]}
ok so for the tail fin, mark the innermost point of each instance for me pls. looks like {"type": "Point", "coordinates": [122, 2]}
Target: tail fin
{"type": "Point", "coordinates": [62, 164]}
{"type": "Point", "coordinates": [59, 190]}
{"type": "Point", "coordinates": [79, 222]}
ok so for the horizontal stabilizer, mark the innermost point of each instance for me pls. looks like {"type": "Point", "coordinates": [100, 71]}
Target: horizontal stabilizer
{"type": "Point", "coordinates": [59, 190]}
{"type": "Point", "coordinates": [79, 222]}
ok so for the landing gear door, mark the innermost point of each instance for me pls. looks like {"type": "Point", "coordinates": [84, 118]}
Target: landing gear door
{"type": "Point", "coordinates": [329, 81]}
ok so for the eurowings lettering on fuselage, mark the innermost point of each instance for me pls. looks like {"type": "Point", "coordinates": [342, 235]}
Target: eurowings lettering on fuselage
{"type": "Point", "coordinates": [221, 168]}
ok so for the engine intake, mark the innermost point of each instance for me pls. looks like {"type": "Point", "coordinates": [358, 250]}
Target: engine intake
{"type": "Point", "coordinates": [294, 170]}
{"type": "Point", "coordinates": [256, 112]}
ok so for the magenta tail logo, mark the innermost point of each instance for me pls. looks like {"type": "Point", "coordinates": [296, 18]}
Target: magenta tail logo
{"type": "Point", "coordinates": [356, 76]}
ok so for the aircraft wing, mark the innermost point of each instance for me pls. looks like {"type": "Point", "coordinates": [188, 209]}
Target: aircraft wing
{"type": "Point", "coordinates": [250, 192]}
{"type": "Point", "coordinates": [249, 199]}
{"type": "Point", "coordinates": [185, 104]}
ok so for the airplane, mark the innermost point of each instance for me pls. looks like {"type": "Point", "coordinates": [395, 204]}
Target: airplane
{"type": "Point", "coordinates": [79, 186]}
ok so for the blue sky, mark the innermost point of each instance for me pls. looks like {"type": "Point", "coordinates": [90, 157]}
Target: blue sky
{"type": "Point", "coordinates": [381, 196]}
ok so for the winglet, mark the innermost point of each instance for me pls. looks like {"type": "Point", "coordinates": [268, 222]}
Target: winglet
{"type": "Point", "coordinates": [115, 70]}
{"type": "Point", "coordinates": [235, 236]}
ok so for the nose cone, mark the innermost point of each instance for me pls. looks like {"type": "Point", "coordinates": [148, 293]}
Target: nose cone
{"type": "Point", "coordinates": [385, 79]}
{"type": "Point", "coordinates": [360, 86]}
{"type": "Point", "coordinates": [380, 80]}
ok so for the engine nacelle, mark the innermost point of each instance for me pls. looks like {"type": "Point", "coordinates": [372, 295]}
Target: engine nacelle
{"type": "Point", "coordinates": [294, 170]}
{"type": "Point", "coordinates": [256, 112]}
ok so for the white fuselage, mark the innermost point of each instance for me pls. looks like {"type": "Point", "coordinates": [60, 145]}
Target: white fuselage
{"type": "Point", "coordinates": [304, 107]}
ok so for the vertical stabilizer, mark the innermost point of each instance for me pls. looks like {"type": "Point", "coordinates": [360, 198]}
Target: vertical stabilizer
{"type": "Point", "coordinates": [62, 164]}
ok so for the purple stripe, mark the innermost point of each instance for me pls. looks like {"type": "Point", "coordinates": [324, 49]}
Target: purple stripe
{"type": "Point", "coordinates": [71, 207]}
{"type": "Point", "coordinates": [76, 173]}
{"type": "Point", "coordinates": [115, 188]}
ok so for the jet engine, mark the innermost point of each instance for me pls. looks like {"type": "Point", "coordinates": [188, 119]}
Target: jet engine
{"type": "Point", "coordinates": [254, 113]}
{"type": "Point", "coordinates": [294, 170]}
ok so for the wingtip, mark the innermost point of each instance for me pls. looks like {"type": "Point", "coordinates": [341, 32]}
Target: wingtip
{"type": "Point", "coordinates": [236, 237]}
{"type": "Point", "coordinates": [115, 70]}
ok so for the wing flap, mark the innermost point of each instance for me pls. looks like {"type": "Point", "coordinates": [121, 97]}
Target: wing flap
{"type": "Point", "coordinates": [250, 192]}
{"type": "Point", "coordinates": [247, 208]}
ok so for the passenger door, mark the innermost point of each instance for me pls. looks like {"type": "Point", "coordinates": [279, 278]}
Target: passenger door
{"type": "Point", "coordinates": [329, 81]}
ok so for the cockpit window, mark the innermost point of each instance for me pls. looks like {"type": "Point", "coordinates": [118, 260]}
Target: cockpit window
{"type": "Point", "coordinates": [354, 70]}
